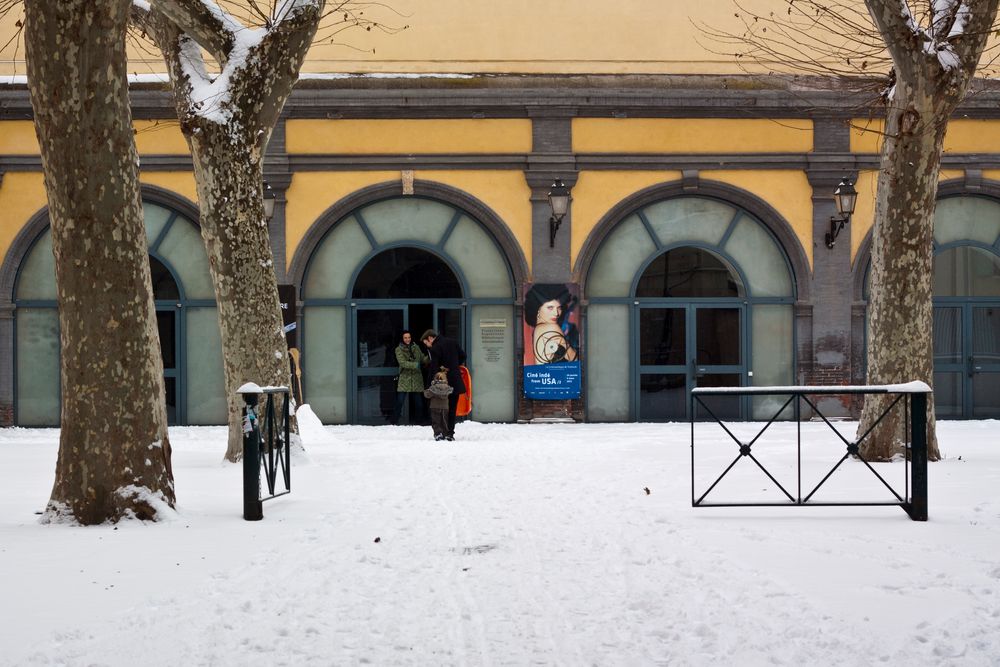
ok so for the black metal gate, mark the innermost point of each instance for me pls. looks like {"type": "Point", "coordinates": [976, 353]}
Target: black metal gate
{"type": "Point", "coordinates": [911, 397]}
{"type": "Point", "coordinates": [265, 445]}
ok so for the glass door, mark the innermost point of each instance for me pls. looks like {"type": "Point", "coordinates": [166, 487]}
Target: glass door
{"type": "Point", "coordinates": [718, 356]}
{"type": "Point", "coordinates": [967, 360]}
{"type": "Point", "coordinates": [449, 321]}
{"type": "Point", "coordinates": [685, 346]}
{"type": "Point", "coordinates": [168, 324]}
{"type": "Point", "coordinates": [663, 364]}
{"type": "Point", "coordinates": [949, 366]}
{"type": "Point", "coordinates": [984, 362]}
{"type": "Point", "coordinates": [376, 332]}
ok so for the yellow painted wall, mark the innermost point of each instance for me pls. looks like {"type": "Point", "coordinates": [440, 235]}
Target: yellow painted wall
{"type": "Point", "coordinates": [571, 36]}
{"type": "Point", "coordinates": [866, 135]}
{"type": "Point", "coordinates": [313, 192]}
{"type": "Point", "coordinates": [506, 193]}
{"type": "Point", "coordinates": [22, 195]}
{"type": "Point", "coordinates": [353, 137]}
{"type": "Point", "coordinates": [597, 192]}
{"type": "Point", "coordinates": [787, 191]}
{"type": "Point", "coordinates": [17, 137]}
{"type": "Point", "coordinates": [963, 136]}
{"type": "Point", "coordinates": [864, 211]}
{"type": "Point", "coordinates": [690, 135]}
{"type": "Point", "coordinates": [160, 137]}
{"type": "Point", "coordinates": [972, 136]}
{"type": "Point", "coordinates": [180, 182]}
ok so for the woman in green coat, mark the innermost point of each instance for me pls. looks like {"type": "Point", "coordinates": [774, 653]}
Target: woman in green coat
{"type": "Point", "coordinates": [411, 361]}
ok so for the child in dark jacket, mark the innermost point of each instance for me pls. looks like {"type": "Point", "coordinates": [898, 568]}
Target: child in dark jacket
{"type": "Point", "coordinates": [438, 394]}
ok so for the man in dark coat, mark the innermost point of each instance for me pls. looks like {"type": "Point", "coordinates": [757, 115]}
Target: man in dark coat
{"type": "Point", "coordinates": [447, 353]}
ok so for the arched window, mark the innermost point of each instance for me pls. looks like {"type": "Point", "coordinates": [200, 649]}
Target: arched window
{"type": "Point", "coordinates": [186, 316]}
{"type": "Point", "coordinates": [689, 291]}
{"type": "Point", "coordinates": [688, 273]}
{"type": "Point", "coordinates": [406, 273]}
{"type": "Point", "coordinates": [967, 308]}
{"type": "Point", "coordinates": [404, 263]}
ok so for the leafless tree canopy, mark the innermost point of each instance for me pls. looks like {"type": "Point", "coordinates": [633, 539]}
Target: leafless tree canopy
{"type": "Point", "coordinates": [829, 39]}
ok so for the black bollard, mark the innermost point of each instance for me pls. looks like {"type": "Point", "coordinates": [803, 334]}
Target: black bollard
{"type": "Point", "coordinates": [253, 509]}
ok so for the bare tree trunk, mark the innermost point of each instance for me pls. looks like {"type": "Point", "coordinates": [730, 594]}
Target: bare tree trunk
{"type": "Point", "coordinates": [900, 310]}
{"type": "Point", "coordinates": [230, 196]}
{"type": "Point", "coordinates": [114, 454]}
{"type": "Point", "coordinates": [934, 53]}
{"type": "Point", "coordinates": [227, 120]}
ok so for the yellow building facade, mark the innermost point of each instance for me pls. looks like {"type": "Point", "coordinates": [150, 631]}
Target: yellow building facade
{"type": "Point", "coordinates": [412, 193]}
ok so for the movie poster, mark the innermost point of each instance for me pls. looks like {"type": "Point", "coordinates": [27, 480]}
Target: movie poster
{"type": "Point", "coordinates": [552, 353]}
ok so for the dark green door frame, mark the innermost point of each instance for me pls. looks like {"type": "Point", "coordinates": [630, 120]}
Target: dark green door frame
{"type": "Point", "coordinates": [689, 364]}
{"type": "Point", "coordinates": [969, 360]}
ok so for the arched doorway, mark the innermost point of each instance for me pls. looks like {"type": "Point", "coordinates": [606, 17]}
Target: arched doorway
{"type": "Point", "coordinates": [402, 288]}
{"type": "Point", "coordinates": [186, 318]}
{"type": "Point", "coordinates": [966, 329]}
{"type": "Point", "coordinates": [967, 308]}
{"type": "Point", "coordinates": [688, 291]}
{"type": "Point", "coordinates": [404, 263]}
{"type": "Point", "coordinates": [691, 320]}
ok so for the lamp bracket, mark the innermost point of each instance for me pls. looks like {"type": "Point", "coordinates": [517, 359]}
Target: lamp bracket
{"type": "Point", "coordinates": [836, 226]}
{"type": "Point", "coordinates": [554, 223]}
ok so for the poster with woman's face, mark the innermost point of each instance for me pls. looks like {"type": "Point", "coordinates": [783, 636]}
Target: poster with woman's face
{"type": "Point", "coordinates": [551, 339]}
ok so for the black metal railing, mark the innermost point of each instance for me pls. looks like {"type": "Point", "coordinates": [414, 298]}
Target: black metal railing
{"type": "Point", "coordinates": [911, 398]}
{"type": "Point", "coordinates": [265, 446]}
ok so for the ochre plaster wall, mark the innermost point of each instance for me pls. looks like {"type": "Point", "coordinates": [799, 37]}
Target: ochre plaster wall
{"type": "Point", "coordinates": [786, 191]}
{"type": "Point", "coordinates": [180, 182]}
{"type": "Point", "coordinates": [963, 136]}
{"type": "Point", "coordinates": [360, 137]}
{"type": "Point", "coordinates": [506, 193]}
{"type": "Point", "coordinates": [864, 211]}
{"type": "Point", "coordinates": [631, 36]}
{"type": "Point", "coordinates": [568, 36]}
{"type": "Point", "coordinates": [597, 192]}
{"type": "Point", "coordinates": [691, 135]}
{"type": "Point", "coordinates": [159, 137]}
{"type": "Point", "coordinates": [22, 195]}
{"type": "Point", "coordinates": [313, 192]}
{"type": "Point", "coordinates": [17, 137]}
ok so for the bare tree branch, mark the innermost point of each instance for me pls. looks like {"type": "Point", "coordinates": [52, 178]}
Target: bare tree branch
{"type": "Point", "coordinates": [213, 29]}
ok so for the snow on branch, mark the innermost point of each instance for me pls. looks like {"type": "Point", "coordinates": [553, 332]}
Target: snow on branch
{"type": "Point", "coordinates": [287, 7]}
{"type": "Point", "coordinates": [946, 22]}
{"type": "Point", "coordinates": [210, 95]}
{"type": "Point", "coordinates": [206, 23]}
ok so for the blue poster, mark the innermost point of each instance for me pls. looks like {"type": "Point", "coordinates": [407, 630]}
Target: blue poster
{"type": "Point", "coordinates": [552, 381]}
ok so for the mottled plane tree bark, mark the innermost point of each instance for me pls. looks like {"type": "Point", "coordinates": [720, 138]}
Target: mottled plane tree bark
{"type": "Point", "coordinates": [934, 56]}
{"type": "Point", "coordinates": [227, 117]}
{"type": "Point", "coordinates": [114, 454]}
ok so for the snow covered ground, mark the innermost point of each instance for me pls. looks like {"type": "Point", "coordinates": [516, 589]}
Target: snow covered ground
{"type": "Point", "coordinates": [514, 545]}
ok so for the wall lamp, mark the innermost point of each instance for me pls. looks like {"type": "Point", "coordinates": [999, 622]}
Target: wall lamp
{"type": "Point", "coordinates": [269, 197]}
{"type": "Point", "coordinates": [845, 197]}
{"type": "Point", "coordinates": [559, 203]}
